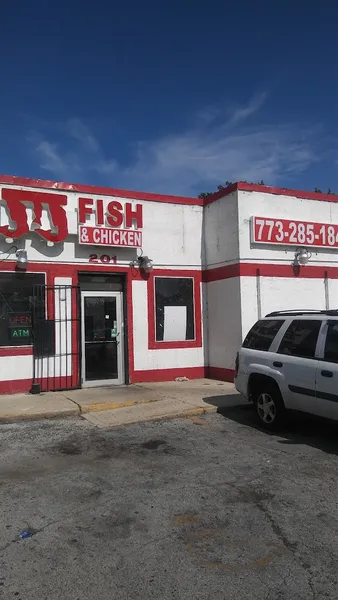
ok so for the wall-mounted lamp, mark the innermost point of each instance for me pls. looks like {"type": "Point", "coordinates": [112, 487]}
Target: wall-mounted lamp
{"type": "Point", "coordinates": [302, 256]}
{"type": "Point", "coordinates": [21, 259]}
{"type": "Point", "coordinates": [145, 263]}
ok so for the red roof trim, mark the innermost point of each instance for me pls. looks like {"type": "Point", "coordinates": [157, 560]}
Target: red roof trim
{"type": "Point", "coordinates": [106, 191]}
{"type": "Point", "coordinates": [97, 190]}
{"type": "Point", "coordinates": [221, 193]}
{"type": "Point", "coordinates": [266, 189]}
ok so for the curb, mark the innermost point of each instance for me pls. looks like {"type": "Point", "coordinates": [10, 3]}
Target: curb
{"type": "Point", "coordinates": [101, 407]}
{"type": "Point", "coordinates": [193, 412]}
{"type": "Point", "coordinates": [186, 414]}
{"type": "Point", "coordinates": [10, 419]}
{"type": "Point", "coordinates": [78, 411]}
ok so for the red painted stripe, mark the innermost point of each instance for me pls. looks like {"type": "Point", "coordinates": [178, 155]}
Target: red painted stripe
{"type": "Point", "coordinates": [98, 190]}
{"type": "Point", "coordinates": [221, 374]}
{"type": "Point", "coordinates": [19, 386]}
{"type": "Point", "coordinates": [273, 270]}
{"type": "Point", "coordinates": [209, 275]}
{"type": "Point", "coordinates": [269, 270]}
{"type": "Point", "coordinates": [70, 270]}
{"type": "Point", "coordinates": [24, 385]}
{"type": "Point", "coordinates": [168, 374]}
{"type": "Point", "coordinates": [219, 273]}
{"type": "Point", "coordinates": [16, 351]}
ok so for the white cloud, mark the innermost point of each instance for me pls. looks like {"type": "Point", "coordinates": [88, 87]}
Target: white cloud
{"type": "Point", "coordinates": [51, 160]}
{"type": "Point", "coordinates": [216, 148]}
{"type": "Point", "coordinates": [107, 167]}
{"type": "Point", "coordinates": [80, 132]}
{"type": "Point", "coordinates": [255, 104]}
{"type": "Point", "coordinates": [189, 162]}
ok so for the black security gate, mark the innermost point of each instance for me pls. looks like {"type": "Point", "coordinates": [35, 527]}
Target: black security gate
{"type": "Point", "coordinates": [56, 333]}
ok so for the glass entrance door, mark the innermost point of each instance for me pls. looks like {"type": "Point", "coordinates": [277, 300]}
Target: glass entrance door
{"type": "Point", "coordinates": [102, 338]}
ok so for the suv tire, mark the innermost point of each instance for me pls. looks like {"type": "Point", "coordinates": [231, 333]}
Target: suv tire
{"type": "Point", "coordinates": [269, 406]}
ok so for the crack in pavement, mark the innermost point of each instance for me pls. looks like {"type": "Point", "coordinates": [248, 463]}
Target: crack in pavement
{"type": "Point", "coordinates": [33, 531]}
{"type": "Point", "coordinates": [290, 546]}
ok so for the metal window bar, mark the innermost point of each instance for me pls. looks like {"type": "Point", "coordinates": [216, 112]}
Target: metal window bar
{"type": "Point", "coordinates": [56, 333]}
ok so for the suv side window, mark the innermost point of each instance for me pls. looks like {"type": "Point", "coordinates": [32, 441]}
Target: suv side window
{"type": "Point", "coordinates": [331, 343]}
{"type": "Point", "coordinates": [300, 339]}
{"type": "Point", "coordinates": [262, 334]}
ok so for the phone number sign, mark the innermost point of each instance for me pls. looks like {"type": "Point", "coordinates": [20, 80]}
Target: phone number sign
{"type": "Point", "coordinates": [294, 233]}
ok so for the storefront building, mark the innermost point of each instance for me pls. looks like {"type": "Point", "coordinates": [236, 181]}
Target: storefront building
{"type": "Point", "coordinates": [101, 286]}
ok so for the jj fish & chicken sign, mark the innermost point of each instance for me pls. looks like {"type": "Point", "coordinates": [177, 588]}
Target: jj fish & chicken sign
{"type": "Point", "coordinates": [113, 225]}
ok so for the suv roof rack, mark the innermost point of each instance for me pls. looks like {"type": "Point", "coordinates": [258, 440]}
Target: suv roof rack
{"type": "Point", "coordinates": [299, 312]}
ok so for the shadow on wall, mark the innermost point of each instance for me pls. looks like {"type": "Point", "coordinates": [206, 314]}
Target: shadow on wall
{"type": "Point", "coordinates": [31, 241]}
{"type": "Point", "coordinates": [302, 429]}
{"type": "Point", "coordinates": [204, 296]}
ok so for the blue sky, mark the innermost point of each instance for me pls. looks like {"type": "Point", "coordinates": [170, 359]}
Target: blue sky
{"type": "Point", "coordinates": [172, 97]}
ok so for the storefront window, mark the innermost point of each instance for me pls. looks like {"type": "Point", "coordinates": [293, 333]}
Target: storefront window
{"type": "Point", "coordinates": [16, 304]}
{"type": "Point", "coordinates": [174, 309]}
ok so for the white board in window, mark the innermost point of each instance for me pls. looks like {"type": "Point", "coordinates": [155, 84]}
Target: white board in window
{"type": "Point", "coordinates": [175, 324]}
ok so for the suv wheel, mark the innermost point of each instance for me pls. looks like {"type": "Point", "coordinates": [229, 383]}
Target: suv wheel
{"type": "Point", "coordinates": [269, 406]}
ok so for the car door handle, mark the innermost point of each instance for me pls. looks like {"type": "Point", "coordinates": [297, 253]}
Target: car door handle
{"type": "Point", "coordinates": [276, 363]}
{"type": "Point", "coordinates": [327, 373]}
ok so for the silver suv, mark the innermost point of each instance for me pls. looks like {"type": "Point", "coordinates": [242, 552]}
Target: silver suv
{"type": "Point", "coordinates": [289, 361]}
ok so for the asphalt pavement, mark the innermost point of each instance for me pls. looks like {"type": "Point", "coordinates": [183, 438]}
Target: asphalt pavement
{"type": "Point", "coordinates": [202, 508]}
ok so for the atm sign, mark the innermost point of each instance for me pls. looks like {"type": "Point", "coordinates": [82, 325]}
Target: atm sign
{"type": "Point", "coordinates": [20, 333]}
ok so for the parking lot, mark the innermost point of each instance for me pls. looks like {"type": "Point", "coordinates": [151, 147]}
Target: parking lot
{"type": "Point", "coordinates": [203, 508]}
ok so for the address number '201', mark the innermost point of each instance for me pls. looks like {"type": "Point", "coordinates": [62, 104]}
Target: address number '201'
{"type": "Point", "coordinates": [104, 258]}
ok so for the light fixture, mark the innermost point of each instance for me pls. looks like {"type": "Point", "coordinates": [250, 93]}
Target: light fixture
{"type": "Point", "coordinates": [21, 259]}
{"type": "Point", "coordinates": [302, 256]}
{"type": "Point", "coordinates": [145, 263]}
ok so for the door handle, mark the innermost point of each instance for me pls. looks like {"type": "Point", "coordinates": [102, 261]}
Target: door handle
{"type": "Point", "coordinates": [276, 363]}
{"type": "Point", "coordinates": [327, 373]}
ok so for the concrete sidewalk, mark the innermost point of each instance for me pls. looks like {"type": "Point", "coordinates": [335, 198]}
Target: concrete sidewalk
{"type": "Point", "coordinates": [118, 405]}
